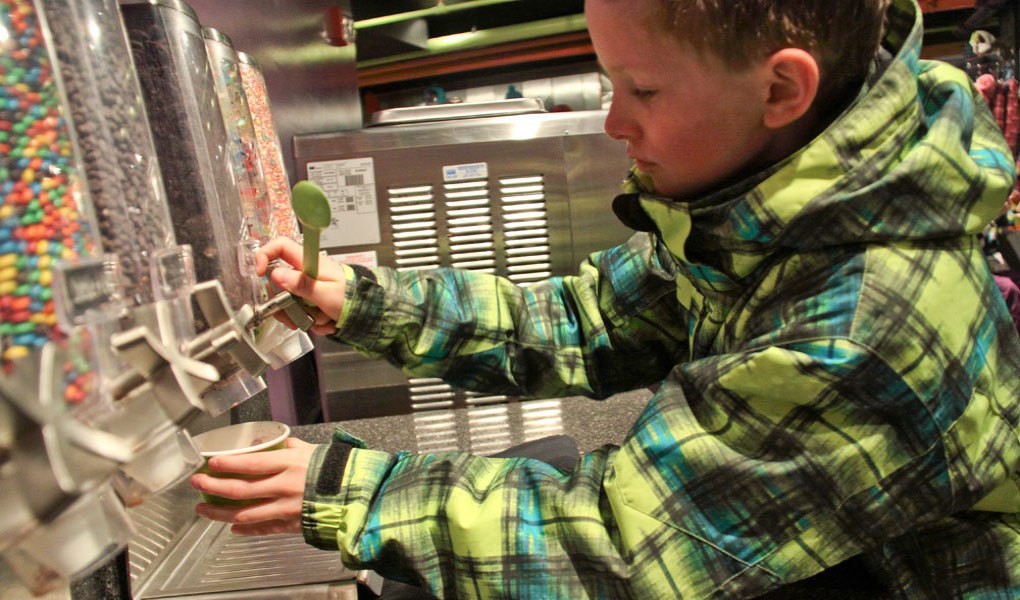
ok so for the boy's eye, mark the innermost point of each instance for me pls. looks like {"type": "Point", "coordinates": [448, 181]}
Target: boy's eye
{"type": "Point", "coordinates": [643, 94]}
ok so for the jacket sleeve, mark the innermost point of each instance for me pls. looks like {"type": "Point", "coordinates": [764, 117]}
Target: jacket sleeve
{"type": "Point", "coordinates": [564, 336]}
{"type": "Point", "coordinates": [745, 471]}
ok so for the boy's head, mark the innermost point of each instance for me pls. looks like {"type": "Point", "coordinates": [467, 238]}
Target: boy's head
{"type": "Point", "coordinates": [705, 92]}
{"type": "Point", "coordinates": [841, 35]}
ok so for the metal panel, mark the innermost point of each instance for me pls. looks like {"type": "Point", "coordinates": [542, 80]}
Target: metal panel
{"type": "Point", "coordinates": [542, 205]}
{"type": "Point", "coordinates": [466, 131]}
{"type": "Point", "coordinates": [445, 112]}
{"type": "Point", "coordinates": [312, 86]}
{"type": "Point", "coordinates": [403, 174]}
{"type": "Point", "coordinates": [175, 554]}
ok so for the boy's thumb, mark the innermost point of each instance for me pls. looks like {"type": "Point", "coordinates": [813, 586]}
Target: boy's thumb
{"type": "Point", "coordinates": [287, 279]}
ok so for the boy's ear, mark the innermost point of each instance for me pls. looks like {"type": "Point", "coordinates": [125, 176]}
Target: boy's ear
{"type": "Point", "coordinates": [793, 78]}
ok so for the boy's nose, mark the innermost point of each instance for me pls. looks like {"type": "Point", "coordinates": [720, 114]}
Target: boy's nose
{"type": "Point", "coordinates": [616, 126]}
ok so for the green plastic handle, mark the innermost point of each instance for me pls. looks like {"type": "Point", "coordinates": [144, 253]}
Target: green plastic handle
{"type": "Point", "coordinates": [311, 207]}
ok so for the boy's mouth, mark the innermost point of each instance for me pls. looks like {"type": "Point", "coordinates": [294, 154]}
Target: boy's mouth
{"type": "Point", "coordinates": [642, 165]}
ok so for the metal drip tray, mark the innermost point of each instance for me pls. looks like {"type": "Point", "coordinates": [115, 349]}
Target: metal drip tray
{"type": "Point", "coordinates": [467, 110]}
{"type": "Point", "coordinates": [175, 554]}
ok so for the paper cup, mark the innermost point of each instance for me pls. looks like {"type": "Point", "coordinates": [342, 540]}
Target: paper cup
{"type": "Point", "coordinates": [243, 438]}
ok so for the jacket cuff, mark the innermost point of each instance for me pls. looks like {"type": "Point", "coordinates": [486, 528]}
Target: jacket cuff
{"type": "Point", "coordinates": [342, 480]}
{"type": "Point", "coordinates": [322, 513]}
{"type": "Point", "coordinates": [350, 280]}
{"type": "Point", "coordinates": [360, 321]}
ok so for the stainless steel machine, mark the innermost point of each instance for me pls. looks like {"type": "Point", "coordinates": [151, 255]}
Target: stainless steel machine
{"type": "Point", "coordinates": [104, 386]}
{"type": "Point", "coordinates": [501, 186]}
{"type": "Point", "coordinates": [130, 317]}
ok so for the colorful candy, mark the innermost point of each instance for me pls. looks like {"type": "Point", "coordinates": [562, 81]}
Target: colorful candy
{"type": "Point", "coordinates": [241, 135]}
{"type": "Point", "coordinates": [270, 151]}
{"type": "Point", "coordinates": [76, 381]}
{"type": "Point", "coordinates": [41, 215]}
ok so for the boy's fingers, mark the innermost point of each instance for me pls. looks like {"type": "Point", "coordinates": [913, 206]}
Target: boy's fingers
{"type": "Point", "coordinates": [293, 281]}
{"type": "Point", "coordinates": [266, 512]}
{"type": "Point", "coordinates": [226, 513]}
{"type": "Point", "coordinates": [284, 248]}
{"type": "Point", "coordinates": [256, 463]}
{"type": "Point", "coordinates": [328, 328]}
{"type": "Point", "coordinates": [247, 489]}
{"type": "Point", "coordinates": [227, 487]}
{"type": "Point", "coordinates": [293, 442]}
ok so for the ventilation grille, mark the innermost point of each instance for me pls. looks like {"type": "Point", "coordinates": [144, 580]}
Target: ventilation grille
{"type": "Point", "coordinates": [542, 418]}
{"type": "Point", "coordinates": [413, 219]}
{"type": "Point", "coordinates": [473, 232]}
{"type": "Point", "coordinates": [469, 219]}
{"type": "Point", "coordinates": [489, 428]}
{"type": "Point", "coordinates": [522, 200]}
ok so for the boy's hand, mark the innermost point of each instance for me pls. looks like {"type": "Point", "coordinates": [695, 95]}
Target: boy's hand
{"type": "Point", "coordinates": [326, 293]}
{"type": "Point", "coordinates": [280, 483]}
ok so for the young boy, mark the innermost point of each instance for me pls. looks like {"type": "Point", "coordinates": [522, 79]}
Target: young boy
{"type": "Point", "coordinates": [839, 376]}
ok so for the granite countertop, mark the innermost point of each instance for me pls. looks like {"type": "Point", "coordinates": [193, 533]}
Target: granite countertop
{"type": "Point", "coordinates": [488, 429]}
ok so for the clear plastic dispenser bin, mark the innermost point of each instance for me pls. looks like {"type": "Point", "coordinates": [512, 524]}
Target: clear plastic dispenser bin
{"type": "Point", "coordinates": [194, 156]}
{"type": "Point", "coordinates": [270, 150]}
{"type": "Point", "coordinates": [61, 518]}
{"type": "Point", "coordinates": [282, 345]}
{"type": "Point", "coordinates": [121, 403]}
{"type": "Point", "coordinates": [85, 536]}
{"type": "Point", "coordinates": [190, 138]}
{"type": "Point", "coordinates": [240, 134]}
{"type": "Point", "coordinates": [112, 133]}
{"type": "Point", "coordinates": [44, 214]}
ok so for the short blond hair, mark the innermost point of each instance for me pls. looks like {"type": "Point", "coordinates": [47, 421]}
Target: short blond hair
{"type": "Point", "coordinates": [842, 35]}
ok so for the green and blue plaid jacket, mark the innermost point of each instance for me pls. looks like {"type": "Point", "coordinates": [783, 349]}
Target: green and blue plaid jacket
{"type": "Point", "coordinates": [839, 377]}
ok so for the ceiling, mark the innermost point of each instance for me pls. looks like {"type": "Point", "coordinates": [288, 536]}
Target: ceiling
{"type": "Point", "coordinates": [387, 28]}
{"type": "Point", "coordinates": [393, 30]}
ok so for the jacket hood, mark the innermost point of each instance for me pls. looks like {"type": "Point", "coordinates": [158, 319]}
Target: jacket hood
{"type": "Point", "coordinates": [917, 156]}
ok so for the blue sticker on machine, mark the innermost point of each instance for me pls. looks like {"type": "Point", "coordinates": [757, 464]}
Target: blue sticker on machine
{"type": "Point", "coordinates": [465, 172]}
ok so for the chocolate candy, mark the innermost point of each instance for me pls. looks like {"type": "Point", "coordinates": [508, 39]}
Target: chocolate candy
{"type": "Point", "coordinates": [115, 146]}
{"type": "Point", "coordinates": [190, 138]}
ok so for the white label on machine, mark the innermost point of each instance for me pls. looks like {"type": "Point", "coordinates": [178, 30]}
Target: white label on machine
{"type": "Point", "coordinates": [465, 172]}
{"type": "Point", "coordinates": [368, 258]}
{"type": "Point", "coordinates": [350, 186]}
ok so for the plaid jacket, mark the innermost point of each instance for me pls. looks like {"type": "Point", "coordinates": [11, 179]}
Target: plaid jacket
{"type": "Point", "coordinates": [839, 376]}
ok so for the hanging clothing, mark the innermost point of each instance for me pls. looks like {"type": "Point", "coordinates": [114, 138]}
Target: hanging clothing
{"type": "Point", "coordinates": [839, 377]}
{"type": "Point", "coordinates": [988, 86]}
{"type": "Point", "coordinates": [1011, 294]}
{"type": "Point", "coordinates": [999, 109]}
{"type": "Point", "coordinates": [1012, 129]}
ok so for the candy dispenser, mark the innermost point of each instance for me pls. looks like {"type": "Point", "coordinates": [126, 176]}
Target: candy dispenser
{"type": "Point", "coordinates": [270, 151]}
{"type": "Point", "coordinates": [112, 133]}
{"type": "Point", "coordinates": [44, 217]}
{"type": "Point", "coordinates": [279, 343]}
{"type": "Point", "coordinates": [237, 118]}
{"type": "Point", "coordinates": [90, 308]}
{"type": "Point", "coordinates": [195, 160]}
{"type": "Point", "coordinates": [94, 296]}
{"type": "Point", "coordinates": [190, 138]}
{"type": "Point", "coordinates": [61, 519]}
{"type": "Point", "coordinates": [73, 139]}
{"type": "Point", "coordinates": [276, 343]}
